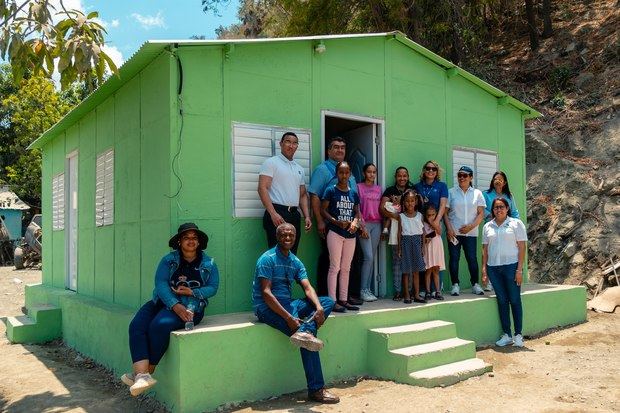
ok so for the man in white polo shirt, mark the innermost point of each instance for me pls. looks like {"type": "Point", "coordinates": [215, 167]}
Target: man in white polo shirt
{"type": "Point", "coordinates": [282, 189]}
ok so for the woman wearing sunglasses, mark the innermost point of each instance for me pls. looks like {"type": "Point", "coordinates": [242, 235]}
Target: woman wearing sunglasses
{"type": "Point", "coordinates": [184, 281]}
{"type": "Point", "coordinates": [465, 212]}
{"type": "Point", "coordinates": [434, 192]}
{"type": "Point", "coordinates": [503, 255]}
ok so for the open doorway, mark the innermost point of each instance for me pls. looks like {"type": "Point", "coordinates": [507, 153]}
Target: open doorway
{"type": "Point", "coordinates": [364, 138]}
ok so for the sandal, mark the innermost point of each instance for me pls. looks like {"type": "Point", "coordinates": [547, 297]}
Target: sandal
{"type": "Point", "coordinates": [397, 297]}
{"type": "Point", "coordinates": [419, 300]}
{"type": "Point", "coordinates": [438, 297]}
{"type": "Point", "coordinates": [407, 301]}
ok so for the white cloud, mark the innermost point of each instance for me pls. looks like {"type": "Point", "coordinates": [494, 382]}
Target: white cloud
{"type": "Point", "coordinates": [115, 54]}
{"type": "Point", "coordinates": [114, 23]}
{"type": "Point", "coordinates": [149, 21]}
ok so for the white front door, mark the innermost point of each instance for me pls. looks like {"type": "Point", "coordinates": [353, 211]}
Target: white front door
{"type": "Point", "coordinates": [71, 224]}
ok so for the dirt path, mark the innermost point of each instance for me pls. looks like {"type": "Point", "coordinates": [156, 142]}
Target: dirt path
{"type": "Point", "coordinates": [575, 369]}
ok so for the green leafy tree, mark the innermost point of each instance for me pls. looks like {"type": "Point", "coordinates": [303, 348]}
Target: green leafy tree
{"type": "Point", "coordinates": [29, 111]}
{"type": "Point", "coordinates": [33, 35]}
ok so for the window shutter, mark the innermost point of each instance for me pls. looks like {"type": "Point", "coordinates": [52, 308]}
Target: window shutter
{"type": "Point", "coordinates": [483, 163]}
{"type": "Point", "coordinates": [462, 157]}
{"type": "Point", "coordinates": [58, 202]}
{"type": "Point", "coordinates": [252, 145]}
{"type": "Point", "coordinates": [486, 165]}
{"type": "Point", "coordinates": [104, 189]}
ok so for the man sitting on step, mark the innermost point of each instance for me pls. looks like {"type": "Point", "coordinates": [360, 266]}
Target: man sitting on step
{"type": "Point", "coordinates": [276, 270]}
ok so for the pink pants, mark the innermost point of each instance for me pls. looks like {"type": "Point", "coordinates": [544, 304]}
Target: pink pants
{"type": "Point", "coordinates": [341, 252]}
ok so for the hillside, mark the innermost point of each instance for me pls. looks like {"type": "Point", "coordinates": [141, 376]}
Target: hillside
{"type": "Point", "coordinates": [573, 152]}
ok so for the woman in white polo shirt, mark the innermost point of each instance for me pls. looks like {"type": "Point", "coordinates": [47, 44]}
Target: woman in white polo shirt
{"type": "Point", "coordinates": [503, 255]}
{"type": "Point", "coordinates": [464, 213]}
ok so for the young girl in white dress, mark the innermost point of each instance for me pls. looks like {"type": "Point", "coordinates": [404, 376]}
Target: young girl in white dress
{"type": "Point", "coordinates": [410, 243]}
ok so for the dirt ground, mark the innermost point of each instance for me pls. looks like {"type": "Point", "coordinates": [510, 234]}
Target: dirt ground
{"type": "Point", "coordinates": [576, 369]}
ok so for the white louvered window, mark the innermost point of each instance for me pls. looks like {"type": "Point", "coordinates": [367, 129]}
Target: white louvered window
{"type": "Point", "coordinates": [252, 145]}
{"type": "Point", "coordinates": [58, 202]}
{"type": "Point", "coordinates": [484, 164]}
{"type": "Point", "coordinates": [104, 189]}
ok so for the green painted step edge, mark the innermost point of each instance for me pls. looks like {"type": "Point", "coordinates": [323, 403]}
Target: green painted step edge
{"type": "Point", "coordinates": [464, 350]}
{"type": "Point", "coordinates": [411, 338]}
{"type": "Point", "coordinates": [450, 379]}
{"type": "Point", "coordinates": [44, 323]}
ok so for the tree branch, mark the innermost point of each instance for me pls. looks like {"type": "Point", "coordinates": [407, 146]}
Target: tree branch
{"type": "Point", "coordinates": [14, 14]}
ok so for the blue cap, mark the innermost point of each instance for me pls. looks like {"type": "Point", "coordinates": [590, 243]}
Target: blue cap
{"type": "Point", "coordinates": [466, 169]}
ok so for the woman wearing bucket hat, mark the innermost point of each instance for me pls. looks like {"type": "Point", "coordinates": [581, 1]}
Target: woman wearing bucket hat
{"type": "Point", "coordinates": [465, 212]}
{"type": "Point", "coordinates": [184, 281]}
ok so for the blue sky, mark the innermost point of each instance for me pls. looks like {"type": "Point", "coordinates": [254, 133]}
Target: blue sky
{"type": "Point", "coordinates": [130, 23]}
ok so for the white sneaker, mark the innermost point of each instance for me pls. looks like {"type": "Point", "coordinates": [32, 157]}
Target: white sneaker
{"type": "Point", "coordinates": [504, 341]}
{"type": "Point", "coordinates": [366, 295]}
{"type": "Point", "coordinates": [143, 382]}
{"type": "Point", "coordinates": [476, 289]}
{"type": "Point", "coordinates": [488, 287]}
{"type": "Point", "coordinates": [307, 341]}
{"type": "Point", "coordinates": [455, 290]}
{"type": "Point", "coordinates": [128, 378]}
{"type": "Point", "coordinates": [518, 341]}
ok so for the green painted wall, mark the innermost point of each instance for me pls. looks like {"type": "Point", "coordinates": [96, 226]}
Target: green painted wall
{"type": "Point", "coordinates": [285, 84]}
{"type": "Point", "coordinates": [135, 122]}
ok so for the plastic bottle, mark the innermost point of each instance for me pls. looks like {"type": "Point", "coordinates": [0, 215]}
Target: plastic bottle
{"type": "Point", "coordinates": [189, 325]}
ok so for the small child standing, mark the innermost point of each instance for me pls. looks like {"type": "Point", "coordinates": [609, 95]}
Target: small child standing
{"type": "Point", "coordinates": [433, 254]}
{"type": "Point", "coordinates": [410, 244]}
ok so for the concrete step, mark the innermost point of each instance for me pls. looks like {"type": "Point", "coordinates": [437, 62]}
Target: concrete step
{"type": "Point", "coordinates": [424, 356]}
{"type": "Point", "coordinates": [43, 323]}
{"type": "Point", "coordinates": [412, 334]}
{"type": "Point", "coordinates": [451, 373]}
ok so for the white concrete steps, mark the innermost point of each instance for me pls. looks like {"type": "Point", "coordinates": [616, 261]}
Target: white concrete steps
{"type": "Point", "coordinates": [451, 373]}
{"type": "Point", "coordinates": [428, 354]}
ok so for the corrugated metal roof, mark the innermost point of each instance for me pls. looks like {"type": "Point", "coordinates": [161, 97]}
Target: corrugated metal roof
{"type": "Point", "coordinates": [151, 49]}
{"type": "Point", "coordinates": [8, 200]}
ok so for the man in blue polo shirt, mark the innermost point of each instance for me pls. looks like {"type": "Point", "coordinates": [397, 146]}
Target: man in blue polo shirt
{"type": "Point", "coordinates": [276, 270]}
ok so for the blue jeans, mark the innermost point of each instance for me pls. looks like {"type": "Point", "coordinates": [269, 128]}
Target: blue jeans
{"type": "Point", "coordinates": [149, 331]}
{"type": "Point", "coordinates": [508, 295]}
{"type": "Point", "coordinates": [369, 249]}
{"type": "Point", "coordinates": [396, 272]}
{"type": "Point", "coordinates": [301, 309]}
{"type": "Point", "coordinates": [469, 245]}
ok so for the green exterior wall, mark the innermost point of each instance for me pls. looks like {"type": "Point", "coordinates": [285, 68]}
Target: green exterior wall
{"type": "Point", "coordinates": [426, 112]}
{"type": "Point", "coordinates": [135, 122]}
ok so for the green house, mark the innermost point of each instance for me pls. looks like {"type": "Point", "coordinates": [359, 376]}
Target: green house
{"type": "Point", "coordinates": [179, 136]}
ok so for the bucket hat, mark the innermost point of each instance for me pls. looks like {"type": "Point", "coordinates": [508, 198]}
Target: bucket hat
{"type": "Point", "coordinates": [203, 239]}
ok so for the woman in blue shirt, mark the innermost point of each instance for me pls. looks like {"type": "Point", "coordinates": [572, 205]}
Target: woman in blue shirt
{"type": "Point", "coordinates": [498, 188]}
{"type": "Point", "coordinates": [184, 281]}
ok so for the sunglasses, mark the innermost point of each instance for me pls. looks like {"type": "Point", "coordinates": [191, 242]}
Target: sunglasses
{"type": "Point", "coordinates": [430, 169]}
{"type": "Point", "coordinates": [462, 175]}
